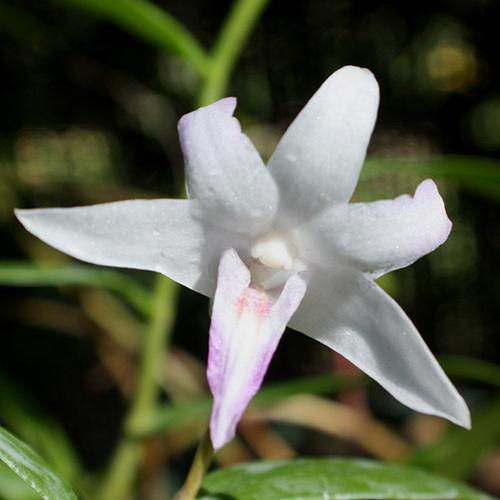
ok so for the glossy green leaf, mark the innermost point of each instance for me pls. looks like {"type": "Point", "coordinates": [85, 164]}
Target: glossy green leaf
{"type": "Point", "coordinates": [21, 413]}
{"type": "Point", "coordinates": [12, 487]}
{"type": "Point", "coordinates": [334, 479]}
{"type": "Point", "coordinates": [475, 174]}
{"type": "Point", "coordinates": [30, 467]}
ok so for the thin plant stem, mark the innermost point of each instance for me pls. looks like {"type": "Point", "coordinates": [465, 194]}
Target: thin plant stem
{"type": "Point", "coordinates": [155, 342]}
{"type": "Point", "coordinates": [122, 472]}
{"type": "Point", "coordinates": [232, 37]}
{"type": "Point", "coordinates": [198, 469]}
{"type": "Point", "coordinates": [120, 476]}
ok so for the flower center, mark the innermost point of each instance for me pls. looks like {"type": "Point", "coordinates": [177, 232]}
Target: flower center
{"type": "Point", "coordinates": [274, 250]}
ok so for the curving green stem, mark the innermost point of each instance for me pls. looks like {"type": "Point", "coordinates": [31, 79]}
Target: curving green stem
{"type": "Point", "coordinates": [198, 469]}
{"type": "Point", "coordinates": [232, 37]}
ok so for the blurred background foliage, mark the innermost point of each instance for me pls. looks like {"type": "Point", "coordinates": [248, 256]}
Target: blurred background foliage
{"type": "Point", "coordinates": [88, 114]}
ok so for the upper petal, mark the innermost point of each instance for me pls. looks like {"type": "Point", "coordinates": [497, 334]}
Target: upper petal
{"type": "Point", "coordinates": [318, 160]}
{"type": "Point", "coordinates": [155, 235]}
{"type": "Point", "coordinates": [356, 318]}
{"type": "Point", "coordinates": [378, 237]}
{"type": "Point", "coordinates": [247, 324]}
{"type": "Point", "coordinates": [225, 173]}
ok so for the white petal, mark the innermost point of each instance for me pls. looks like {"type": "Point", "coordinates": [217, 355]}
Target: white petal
{"type": "Point", "coordinates": [247, 324]}
{"type": "Point", "coordinates": [224, 170]}
{"type": "Point", "coordinates": [378, 237]}
{"type": "Point", "coordinates": [318, 160]}
{"type": "Point", "coordinates": [353, 316]}
{"type": "Point", "coordinates": [155, 235]}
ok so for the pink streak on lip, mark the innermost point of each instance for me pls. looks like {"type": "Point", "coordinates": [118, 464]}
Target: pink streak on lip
{"type": "Point", "coordinates": [256, 300]}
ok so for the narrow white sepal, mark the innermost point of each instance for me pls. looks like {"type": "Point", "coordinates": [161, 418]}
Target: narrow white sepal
{"type": "Point", "coordinates": [353, 316]}
{"type": "Point", "coordinates": [154, 235]}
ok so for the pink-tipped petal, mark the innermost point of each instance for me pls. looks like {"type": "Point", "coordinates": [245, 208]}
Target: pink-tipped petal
{"type": "Point", "coordinates": [378, 237]}
{"type": "Point", "coordinates": [224, 171]}
{"type": "Point", "coordinates": [247, 324]}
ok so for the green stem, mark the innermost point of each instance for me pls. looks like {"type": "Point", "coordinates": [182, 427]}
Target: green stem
{"type": "Point", "coordinates": [155, 342]}
{"type": "Point", "coordinates": [199, 468]}
{"type": "Point", "coordinates": [122, 472]}
{"type": "Point", "coordinates": [120, 476]}
{"type": "Point", "coordinates": [18, 273]}
{"type": "Point", "coordinates": [228, 46]}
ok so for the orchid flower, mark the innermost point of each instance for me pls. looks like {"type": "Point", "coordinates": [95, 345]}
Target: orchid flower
{"type": "Point", "coordinates": [280, 244]}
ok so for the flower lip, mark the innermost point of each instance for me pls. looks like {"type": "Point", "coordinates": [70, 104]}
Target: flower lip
{"type": "Point", "coordinates": [275, 250]}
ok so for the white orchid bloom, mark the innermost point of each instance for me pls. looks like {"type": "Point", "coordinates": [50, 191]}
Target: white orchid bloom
{"type": "Point", "coordinates": [280, 245]}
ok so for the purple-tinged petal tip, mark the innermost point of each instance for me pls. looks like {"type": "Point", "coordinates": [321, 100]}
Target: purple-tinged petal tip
{"type": "Point", "coordinates": [224, 171]}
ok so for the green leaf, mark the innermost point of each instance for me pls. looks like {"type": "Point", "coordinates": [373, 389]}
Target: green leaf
{"type": "Point", "coordinates": [459, 452]}
{"type": "Point", "coordinates": [475, 174]}
{"type": "Point", "coordinates": [197, 410]}
{"type": "Point", "coordinates": [471, 369]}
{"type": "Point", "coordinates": [32, 469]}
{"type": "Point", "coordinates": [21, 413]}
{"type": "Point", "coordinates": [17, 273]}
{"type": "Point", "coordinates": [13, 487]}
{"type": "Point", "coordinates": [149, 22]}
{"type": "Point", "coordinates": [323, 479]}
